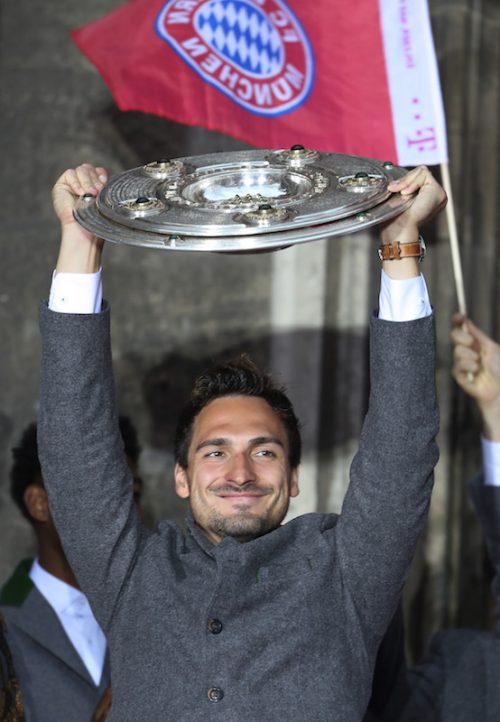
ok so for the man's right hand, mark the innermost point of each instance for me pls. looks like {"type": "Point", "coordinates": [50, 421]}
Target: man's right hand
{"type": "Point", "coordinates": [476, 369]}
{"type": "Point", "coordinates": [80, 250]}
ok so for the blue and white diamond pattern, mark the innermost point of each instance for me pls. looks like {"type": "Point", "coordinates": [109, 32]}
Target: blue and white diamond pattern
{"type": "Point", "coordinates": [241, 32]}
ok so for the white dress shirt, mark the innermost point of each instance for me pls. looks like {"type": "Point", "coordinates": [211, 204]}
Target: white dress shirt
{"type": "Point", "coordinates": [76, 292]}
{"type": "Point", "coordinates": [76, 617]}
{"type": "Point", "coordinates": [491, 461]}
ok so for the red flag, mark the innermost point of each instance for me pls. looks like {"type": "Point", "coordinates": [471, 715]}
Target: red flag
{"type": "Point", "coordinates": [357, 78]}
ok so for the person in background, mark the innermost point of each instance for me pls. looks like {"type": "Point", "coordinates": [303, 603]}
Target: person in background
{"type": "Point", "coordinates": [458, 679]}
{"type": "Point", "coordinates": [59, 650]}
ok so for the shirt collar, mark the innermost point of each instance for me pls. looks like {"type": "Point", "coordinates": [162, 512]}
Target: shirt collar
{"type": "Point", "coordinates": [59, 594]}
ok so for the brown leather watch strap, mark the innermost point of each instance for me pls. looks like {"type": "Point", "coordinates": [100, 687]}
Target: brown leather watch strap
{"type": "Point", "coordinates": [395, 251]}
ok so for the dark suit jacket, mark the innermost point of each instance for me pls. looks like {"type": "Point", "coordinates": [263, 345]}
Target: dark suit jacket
{"type": "Point", "coordinates": [459, 679]}
{"type": "Point", "coordinates": [55, 684]}
{"type": "Point", "coordinates": [486, 499]}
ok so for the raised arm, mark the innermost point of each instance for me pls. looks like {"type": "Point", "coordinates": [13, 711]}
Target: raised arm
{"type": "Point", "coordinates": [386, 503]}
{"type": "Point", "coordinates": [476, 369]}
{"type": "Point", "coordinates": [81, 450]}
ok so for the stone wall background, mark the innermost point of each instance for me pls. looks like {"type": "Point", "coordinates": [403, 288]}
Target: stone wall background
{"type": "Point", "coordinates": [302, 311]}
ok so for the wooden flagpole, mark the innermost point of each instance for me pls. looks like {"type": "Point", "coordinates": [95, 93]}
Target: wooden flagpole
{"type": "Point", "coordinates": [455, 249]}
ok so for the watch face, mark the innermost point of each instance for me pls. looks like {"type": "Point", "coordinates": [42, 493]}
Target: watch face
{"type": "Point", "coordinates": [243, 201]}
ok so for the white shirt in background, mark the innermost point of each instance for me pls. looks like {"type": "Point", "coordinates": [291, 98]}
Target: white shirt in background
{"type": "Point", "coordinates": [76, 617]}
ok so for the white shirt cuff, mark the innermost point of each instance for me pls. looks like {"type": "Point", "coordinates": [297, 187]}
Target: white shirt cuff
{"type": "Point", "coordinates": [491, 461]}
{"type": "Point", "coordinates": [403, 299]}
{"type": "Point", "coordinates": [76, 292]}
{"type": "Point", "coordinates": [399, 300]}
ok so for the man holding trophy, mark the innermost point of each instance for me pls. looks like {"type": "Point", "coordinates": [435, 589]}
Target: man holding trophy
{"type": "Point", "coordinates": [242, 617]}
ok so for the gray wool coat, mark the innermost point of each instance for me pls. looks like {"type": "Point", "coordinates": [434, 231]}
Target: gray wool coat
{"type": "Point", "coordinates": [282, 628]}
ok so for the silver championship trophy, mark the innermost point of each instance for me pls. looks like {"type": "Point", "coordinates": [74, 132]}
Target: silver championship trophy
{"type": "Point", "coordinates": [248, 201]}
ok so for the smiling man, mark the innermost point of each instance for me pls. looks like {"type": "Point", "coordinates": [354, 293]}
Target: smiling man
{"type": "Point", "coordinates": [237, 464]}
{"type": "Point", "coordinates": [243, 617]}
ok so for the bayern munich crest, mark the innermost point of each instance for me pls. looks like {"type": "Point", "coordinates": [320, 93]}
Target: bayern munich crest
{"type": "Point", "coordinates": [254, 51]}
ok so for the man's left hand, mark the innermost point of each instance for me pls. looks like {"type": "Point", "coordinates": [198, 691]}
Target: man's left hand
{"type": "Point", "coordinates": [430, 199]}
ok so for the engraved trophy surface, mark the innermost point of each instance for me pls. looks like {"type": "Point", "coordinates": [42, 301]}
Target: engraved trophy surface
{"type": "Point", "coordinates": [253, 200]}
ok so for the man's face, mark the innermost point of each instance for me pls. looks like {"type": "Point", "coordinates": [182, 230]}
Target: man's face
{"type": "Point", "coordinates": [238, 479]}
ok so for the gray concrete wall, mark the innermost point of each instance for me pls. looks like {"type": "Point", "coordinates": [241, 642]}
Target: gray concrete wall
{"type": "Point", "coordinates": [298, 311]}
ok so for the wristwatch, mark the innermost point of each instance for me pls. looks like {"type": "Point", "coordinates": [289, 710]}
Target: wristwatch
{"type": "Point", "coordinates": [395, 251]}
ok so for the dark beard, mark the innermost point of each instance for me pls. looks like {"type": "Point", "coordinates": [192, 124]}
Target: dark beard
{"type": "Point", "coordinates": [242, 528]}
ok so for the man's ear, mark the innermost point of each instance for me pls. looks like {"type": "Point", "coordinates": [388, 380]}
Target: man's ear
{"type": "Point", "coordinates": [37, 503]}
{"type": "Point", "coordinates": [294, 482]}
{"type": "Point", "coordinates": [181, 482]}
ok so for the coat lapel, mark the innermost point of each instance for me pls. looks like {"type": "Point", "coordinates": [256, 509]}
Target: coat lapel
{"type": "Point", "coordinates": [30, 612]}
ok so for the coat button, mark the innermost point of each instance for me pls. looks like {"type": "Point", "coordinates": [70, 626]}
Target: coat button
{"type": "Point", "coordinates": [214, 626]}
{"type": "Point", "coordinates": [215, 694]}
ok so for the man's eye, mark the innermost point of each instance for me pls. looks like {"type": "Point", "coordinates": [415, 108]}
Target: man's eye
{"type": "Point", "coordinates": [214, 454]}
{"type": "Point", "coordinates": [266, 453]}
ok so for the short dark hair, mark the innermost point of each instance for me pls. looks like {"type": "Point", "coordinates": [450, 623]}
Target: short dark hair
{"type": "Point", "coordinates": [26, 469]}
{"type": "Point", "coordinates": [237, 377]}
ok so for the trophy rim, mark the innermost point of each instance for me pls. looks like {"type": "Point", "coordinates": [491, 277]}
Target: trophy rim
{"type": "Point", "coordinates": [198, 203]}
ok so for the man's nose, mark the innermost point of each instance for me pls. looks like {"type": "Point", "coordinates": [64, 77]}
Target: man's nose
{"type": "Point", "coordinates": [240, 469]}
